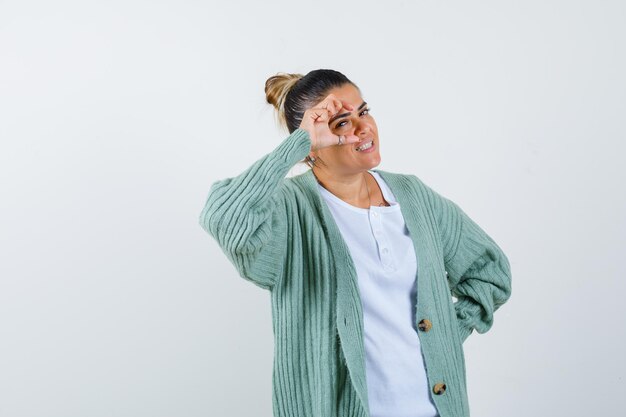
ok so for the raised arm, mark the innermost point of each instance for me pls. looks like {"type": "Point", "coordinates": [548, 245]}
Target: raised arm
{"type": "Point", "coordinates": [479, 273]}
{"type": "Point", "coordinates": [245, 213]}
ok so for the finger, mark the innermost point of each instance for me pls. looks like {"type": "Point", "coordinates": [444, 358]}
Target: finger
{"type": "Point", "coordinates": [315, 115]}
{"type": "Point", "coordinates": [324, 103]}
{"type": "Point", "coordinates": [320, 115]}
{"type": "Point", "coordinates": [347, 105]}
{"type": "Point", "coordinates": [347, 140]}
{"type": "Point", "coordinates": [332, 103]}
{"type": "Point", "coordinates": [339, 104]}
{"type": "Point", "coordinates": [332, 108]}
{"type": "Point", "coordinates": [327, 105]}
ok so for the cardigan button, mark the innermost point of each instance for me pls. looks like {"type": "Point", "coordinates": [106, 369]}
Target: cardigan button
{"type": "Point", "coordinates": [424, 325]}
{"type": "Point", "coordinates": [439, 388]}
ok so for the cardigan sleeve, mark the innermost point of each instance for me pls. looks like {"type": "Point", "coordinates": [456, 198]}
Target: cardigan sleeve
{"type": "Point", "coordinates": [479, 272]}
{"type": "Point", "coordinates": [245, 214]}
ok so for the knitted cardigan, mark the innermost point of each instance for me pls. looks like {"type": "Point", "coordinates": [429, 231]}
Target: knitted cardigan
{"type": "Point", "coordinates": [280, 235]}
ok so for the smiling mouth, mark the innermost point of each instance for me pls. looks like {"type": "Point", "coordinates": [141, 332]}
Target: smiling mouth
{"type": "Point", "coordinates": [366, 145]}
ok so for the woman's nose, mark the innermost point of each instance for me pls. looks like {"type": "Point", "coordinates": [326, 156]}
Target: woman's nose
{"type": "Point", "coordinates": [362, 129]}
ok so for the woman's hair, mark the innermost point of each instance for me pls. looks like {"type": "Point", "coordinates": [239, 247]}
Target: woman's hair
{"type": "Point", "coordinates": [292, 94]}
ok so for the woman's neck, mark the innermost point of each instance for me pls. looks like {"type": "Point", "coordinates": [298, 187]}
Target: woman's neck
{"type": "Point", "coordinates": [359, 189]}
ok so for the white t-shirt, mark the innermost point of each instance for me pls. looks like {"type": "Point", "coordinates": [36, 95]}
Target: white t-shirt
{"type": "Point", "coordinates": [386, 266]}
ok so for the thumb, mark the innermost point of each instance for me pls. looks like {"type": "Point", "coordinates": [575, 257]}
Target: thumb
{"type": "Point", "coordinates": [352, 139]}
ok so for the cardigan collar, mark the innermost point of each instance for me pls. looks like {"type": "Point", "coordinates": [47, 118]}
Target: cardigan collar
{"type": "Point", "coordinates": [349, 314]}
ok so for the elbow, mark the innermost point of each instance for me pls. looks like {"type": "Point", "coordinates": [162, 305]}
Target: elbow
{"type": "Point", "coordinates": [505, 282]}
{"type": "Point", "coordinates": [235, 233]}
{"type": "Point", "coordinates": [205, 219]}
{"type": "Point", "coordinates": [209, 218]}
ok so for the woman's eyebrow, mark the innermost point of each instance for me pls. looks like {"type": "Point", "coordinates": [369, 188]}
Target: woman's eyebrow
{"type": "Point", "coordinates": [339, 116]}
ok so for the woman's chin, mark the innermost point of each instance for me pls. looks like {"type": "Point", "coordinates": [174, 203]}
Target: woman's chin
{"type": "Point", "coordinates": [374, 161]}
{"type": "Point", "coordinates": [372, 164]}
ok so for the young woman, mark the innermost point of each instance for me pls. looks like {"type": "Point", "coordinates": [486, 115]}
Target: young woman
{"type": "Point", "coordinates": [361, 264]}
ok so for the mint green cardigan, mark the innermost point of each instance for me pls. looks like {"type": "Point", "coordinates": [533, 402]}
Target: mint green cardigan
{"type": "Point", "coordinates": [280, 235]}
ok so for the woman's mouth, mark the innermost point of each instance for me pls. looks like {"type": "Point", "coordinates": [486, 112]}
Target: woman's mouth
{"type": "Point", "coordinates": [366, 147]}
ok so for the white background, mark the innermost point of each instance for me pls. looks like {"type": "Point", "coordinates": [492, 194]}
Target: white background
{"type": "Point", "coordinates": [116, 116]}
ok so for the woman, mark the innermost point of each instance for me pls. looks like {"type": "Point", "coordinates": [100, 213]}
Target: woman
{"type": "Point", "coordinates": [361, 264]}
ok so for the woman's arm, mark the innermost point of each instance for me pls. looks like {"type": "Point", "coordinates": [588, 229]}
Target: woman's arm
{"type": "Point", "coordinates": [245, 213]}
{"type": "Point", "coordinates": [479, 273]}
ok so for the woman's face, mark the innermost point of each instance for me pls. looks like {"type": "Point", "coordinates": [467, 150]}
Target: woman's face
{"type": "Point", "coordinates": [346, 159]}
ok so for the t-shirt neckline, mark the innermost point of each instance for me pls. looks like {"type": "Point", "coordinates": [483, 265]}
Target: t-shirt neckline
{"type": "Point", "coordinates": [394, 206]}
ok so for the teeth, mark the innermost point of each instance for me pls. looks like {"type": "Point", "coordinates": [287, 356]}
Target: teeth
{"type": "Point", "coordinates": [365, 146]}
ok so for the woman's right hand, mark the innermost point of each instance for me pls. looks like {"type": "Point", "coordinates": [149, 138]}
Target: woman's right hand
{"type": "Point", "coordinates": [315, 122]}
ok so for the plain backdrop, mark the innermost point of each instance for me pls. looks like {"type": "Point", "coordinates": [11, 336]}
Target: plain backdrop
{"type": "Point", "coordinates": [116, 116]}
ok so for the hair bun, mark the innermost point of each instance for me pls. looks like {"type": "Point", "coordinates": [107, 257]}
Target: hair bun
{"type": "Point", "coordinates": [278, 86]}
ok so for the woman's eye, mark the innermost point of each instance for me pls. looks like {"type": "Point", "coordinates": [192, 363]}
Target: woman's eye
{"type": "Point", "coordinates": [364, 112]}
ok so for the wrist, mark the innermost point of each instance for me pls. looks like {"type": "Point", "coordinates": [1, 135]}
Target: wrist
{"type": "Point", "coordinates": [313, 143]}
